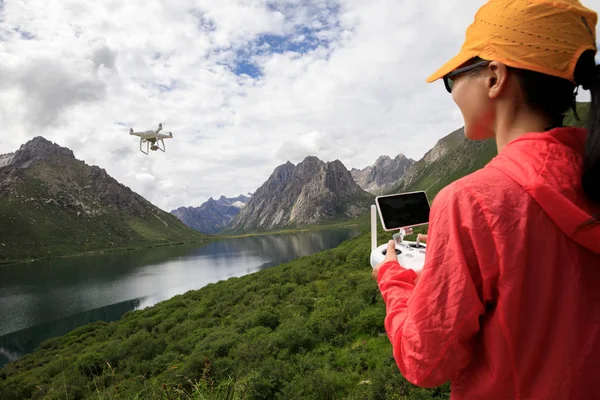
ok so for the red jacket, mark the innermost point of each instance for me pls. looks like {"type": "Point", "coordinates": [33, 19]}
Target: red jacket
{"type": "Point", "coordinates": [508, 303]}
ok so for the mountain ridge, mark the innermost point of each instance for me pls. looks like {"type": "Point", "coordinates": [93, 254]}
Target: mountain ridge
{"type": "Point", "coordinates": [383, 174]}
{"type": "Point", "coordinates": [311, 192]}
{"type": "Point", "coordinates": [455, 156]}
{"type": "Point", "coordinates": [52, 204]}
{"type": "Point", "coordinates": [213, 215]}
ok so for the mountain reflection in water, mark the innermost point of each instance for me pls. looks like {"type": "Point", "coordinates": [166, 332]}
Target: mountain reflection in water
{"type": "Point", "coordinates": [48, 298]}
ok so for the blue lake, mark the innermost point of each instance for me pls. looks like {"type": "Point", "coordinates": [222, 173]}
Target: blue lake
{"type": "Point", "coordinates": [48, 298]}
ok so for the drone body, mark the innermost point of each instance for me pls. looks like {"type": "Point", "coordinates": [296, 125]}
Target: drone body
{"type": "Point", "coordinates": [152, 138]}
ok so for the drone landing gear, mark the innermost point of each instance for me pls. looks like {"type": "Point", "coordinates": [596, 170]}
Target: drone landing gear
{"type": "Point", "coordinates": [156, 146]}
{"type": "Point", "coordinates": [147, 145]}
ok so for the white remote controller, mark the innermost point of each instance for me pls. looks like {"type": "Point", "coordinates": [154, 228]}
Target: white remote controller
{"type": "Point", "coordinates": [411, 255]}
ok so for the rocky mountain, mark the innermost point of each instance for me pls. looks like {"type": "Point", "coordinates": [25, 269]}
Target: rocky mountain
{"type": "Point", "coordinates": [295, 195]}
{"type": "Point", "coordinates": [53, 204]}
{"type": "Point", "coordinates": [383, 175]}
{"type": "Point", "coordinates": [452, 157]}
{"type": "Point", "coordinates": [213, 215]}
{"type": "Point", "coordinates": [455, 156]}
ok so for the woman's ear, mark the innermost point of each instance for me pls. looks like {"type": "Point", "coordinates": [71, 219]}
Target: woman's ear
{"type": "Point", "coordinates": [497, 78]}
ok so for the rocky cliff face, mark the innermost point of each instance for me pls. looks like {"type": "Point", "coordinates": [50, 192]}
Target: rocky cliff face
{"type": "Point", "coordinates": [383, 175]}
{"type": "Point", "coordinates": [311, 192]}
{"type": "Point", "coordinates": [51, 203]}
{"type": "Point", "coordinates": [213, 215]}
{"type": "Point", "coordinates": [68, 182]}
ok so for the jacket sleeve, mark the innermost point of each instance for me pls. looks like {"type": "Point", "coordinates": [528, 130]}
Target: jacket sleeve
{"type": "Point", "coordinates": [431, 323]}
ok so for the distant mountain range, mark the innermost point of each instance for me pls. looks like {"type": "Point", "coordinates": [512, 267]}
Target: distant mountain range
{"type": "Point", "coordinates": [213, 215]}
{"type": "Point", "coordinates": [53, 204]}
{"type": "Point", "coordinates": [383, 175]}
{"type": "Point", "coordinates": [296, 195]}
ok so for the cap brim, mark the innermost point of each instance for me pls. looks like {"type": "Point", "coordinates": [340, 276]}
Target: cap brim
{"type": "Point", "coordinates": [450, 66]}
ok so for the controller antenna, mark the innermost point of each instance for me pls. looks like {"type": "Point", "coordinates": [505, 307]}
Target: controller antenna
{"type": "Point", "coordinates": [373, 227]}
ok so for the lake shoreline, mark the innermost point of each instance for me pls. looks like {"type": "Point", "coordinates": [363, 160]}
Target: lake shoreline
{"type": "Point", "coordinates": [103, 251]}
{"type": "Point", "coordinates": [63, 294]}
{"type": "Point", "coordinates": [308, 228]}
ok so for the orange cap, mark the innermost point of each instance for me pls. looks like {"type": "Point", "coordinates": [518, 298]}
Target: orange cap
{"type": "Point", "coordinates": [546, 36]}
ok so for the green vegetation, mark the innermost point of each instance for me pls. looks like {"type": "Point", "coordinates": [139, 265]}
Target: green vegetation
{"type": "Point", "coordinates": [31, 230]}
{"type": "Point", "coordinates": [458, 162]}
{"type": "Point", "coordinates": [463, 157]}
{"type": "Point", "coordinates": [50, 213]}
{"type": "Point", "coordinates": [312, 328]}
{"type": "Point", "coordinates": [583, 110]}
{"type": "Point", "coordinates": [362, 222]}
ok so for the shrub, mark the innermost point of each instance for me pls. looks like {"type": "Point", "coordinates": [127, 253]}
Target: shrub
{"type": "Point", "coordinates": [90, 364]}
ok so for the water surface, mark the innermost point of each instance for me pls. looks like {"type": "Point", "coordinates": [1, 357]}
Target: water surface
{"type": "Point", "coordinates": [48, 298]}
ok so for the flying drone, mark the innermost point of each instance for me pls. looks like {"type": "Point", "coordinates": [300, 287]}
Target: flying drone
{"type": "Point", "coordinates": [153, 138]}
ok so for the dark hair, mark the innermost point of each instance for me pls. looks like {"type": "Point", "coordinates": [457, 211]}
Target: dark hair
{"type": "Point", "coordinates": [554, 96]}
{"type": "Point", "coordinates": [587, 74]}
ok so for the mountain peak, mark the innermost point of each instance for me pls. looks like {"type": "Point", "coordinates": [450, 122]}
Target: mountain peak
{"type": "Point", "coordinates": [383, 174]}
{"type": "Point", "coordinates": [39, 148]}
{"type": "Point", "coordinates": [212, 216]}
{"type": "Point", "coordinates": [311, 192]}
{"type": "Point", "coordinates": [241, 197]}
{"type": "Point", "coordinates": [85, 207]}
{"type": "Point", "coordinates": [42, 145]}
{"type": "Point", "coordinates": [311, 159]}
{"type": "Point", "coordinates": [309, 163]}
{"type": "Point", "coordinates": [287, 166]}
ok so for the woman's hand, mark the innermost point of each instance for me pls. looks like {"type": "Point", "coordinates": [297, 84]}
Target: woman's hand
{"type": "Point", "coordinates": [390, 255]}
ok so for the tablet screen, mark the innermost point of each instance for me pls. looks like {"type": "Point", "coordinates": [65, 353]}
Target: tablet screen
{"type": "Point", "coordinates": [403, 210]}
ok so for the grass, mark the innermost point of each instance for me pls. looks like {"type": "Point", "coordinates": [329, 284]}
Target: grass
{"type": "Point", "coordinates": [48, 215]}
{"type": "Point", "coordinates": [30, 230]}
{"type": "Point", "coordinates": [311, 328]}
{"type": "Point", "coordinates": [361, 221]}
{"type": "Point", "coordinates": [464, 157]}
{"type": "Point", "coordinates": [460, 160]}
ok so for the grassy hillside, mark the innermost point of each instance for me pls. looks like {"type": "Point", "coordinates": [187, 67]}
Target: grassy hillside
{"type": "Point", "coordinates": [53, 208]}
{"type": "Point", "coordinates": [312, 328]}
{"type": "Point", "coordinates": [461, 160]}
{"type": "Point", "coordinates": [308, 329]}
{"type": "Point", "coordinates": [583, 112]}
{"type": "Point", "coordinates": [463, 157]}
{"type": "Point", "coordinates": [31, 230]}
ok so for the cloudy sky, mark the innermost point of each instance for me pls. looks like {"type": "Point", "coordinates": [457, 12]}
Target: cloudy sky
{"type": "Point", "coordinates": [243, 85]}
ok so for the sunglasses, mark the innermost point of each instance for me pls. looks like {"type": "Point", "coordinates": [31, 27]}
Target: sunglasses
{"type": "Point", "coordinates": [449, 79]}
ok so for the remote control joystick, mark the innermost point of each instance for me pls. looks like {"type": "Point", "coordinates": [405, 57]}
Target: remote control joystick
{"type": "Point", "coordinates": [410, 254]}
{"type": "Point", "coordinates": [398, 251]}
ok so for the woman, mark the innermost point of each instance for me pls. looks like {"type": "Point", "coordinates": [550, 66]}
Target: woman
{"type": "Point", "coordinates": [508, 303]}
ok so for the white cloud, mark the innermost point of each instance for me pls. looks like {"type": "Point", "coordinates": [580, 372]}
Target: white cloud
{"type": "Point", "coordinates": [347, 83]}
